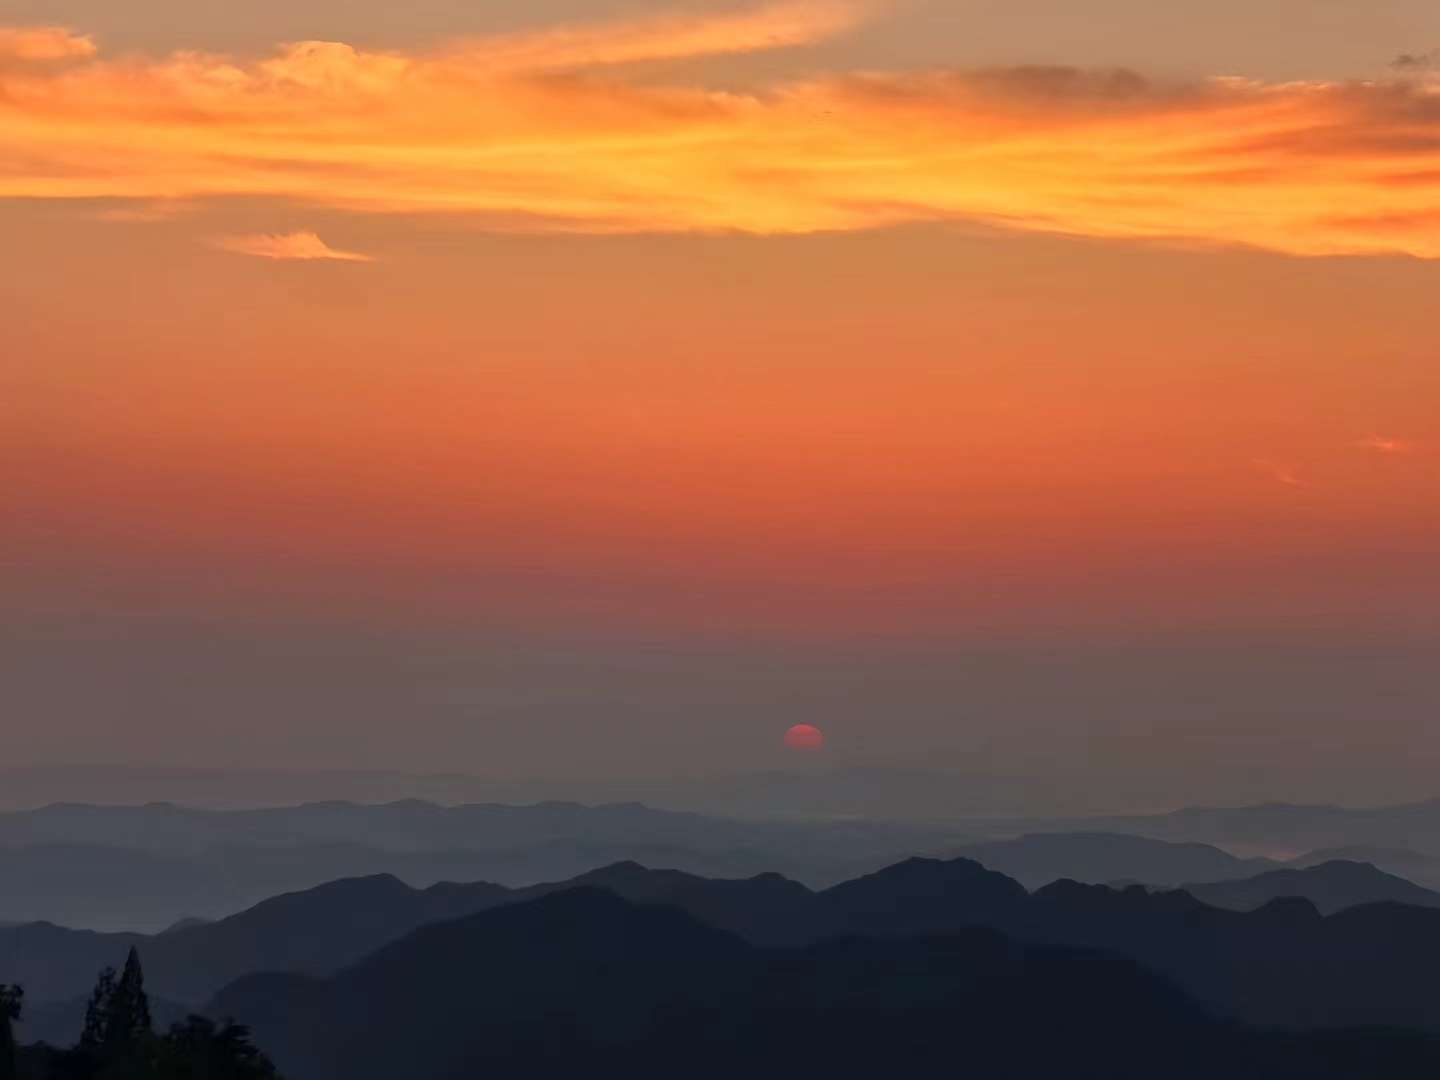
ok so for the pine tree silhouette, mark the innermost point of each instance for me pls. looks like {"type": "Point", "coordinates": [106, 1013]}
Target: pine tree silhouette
{"type": "Point", "coordinates": [118, 1043]}
{"type": "Point", "coordinates": [130, 1007]}
{"type": "Point", "coordinates": [96, 1012]}
{"type": "Point", "coordinates": [118, 1016]}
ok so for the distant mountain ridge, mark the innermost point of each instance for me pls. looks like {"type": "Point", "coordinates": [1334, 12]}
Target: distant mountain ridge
{"type": "Point", "coordinates": [1331, 886]}
{"type": "Point", "coordinates": [1036, 859]}
{"type": "Point", "coordinates": [146, 867]}
{"type": "Point", "coordinates": [1280, 828]}
{"type": "Point", "coordinates": [1423, 870]}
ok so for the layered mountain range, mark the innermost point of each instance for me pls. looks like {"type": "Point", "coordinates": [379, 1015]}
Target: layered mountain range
{"type": "Point", "coordinates": [1283, 962]}
{"type": "Point", "coordinates": [146, 868]}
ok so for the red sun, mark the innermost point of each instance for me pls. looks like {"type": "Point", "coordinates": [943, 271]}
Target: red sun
{"type": "Point", "coordinates": [804, 737]}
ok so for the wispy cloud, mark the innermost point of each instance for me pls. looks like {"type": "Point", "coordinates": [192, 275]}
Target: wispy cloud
{"type": "Point", "coordinates": [41, 43]}
{"type": "Point", "coordinates": [303, 246]}
{"type": "Point", "coordinates": [548, 131]}
{"type": "Point", "coordinates": [1279, 472]}
{"type": "Point", "coordinates": [668, 37]}
{"type": "Point", "coordinates": [1385, 445]}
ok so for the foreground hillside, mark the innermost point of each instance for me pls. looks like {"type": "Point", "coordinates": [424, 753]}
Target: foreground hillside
{"type": "Point", "coordinates": [583, 982]}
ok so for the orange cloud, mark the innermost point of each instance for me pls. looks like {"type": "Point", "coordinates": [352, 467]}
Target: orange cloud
{"type": "Point", "coordinates": [672, 37]}
{"type": "Point", "coordinates": [1280, 472]}
{"type": "Point", "coordinates": [302, 246]}
{"type": "Point", "coordinates": [41, 43]}
{"type": "Point", "coordinates": [551, 131]}
{"type": "Point", "coordinates": [1384, 445]}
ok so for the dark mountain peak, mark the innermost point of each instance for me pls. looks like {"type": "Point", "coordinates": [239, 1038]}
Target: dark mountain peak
{"type": "Point", "coordinates": [561, 929]}
{"type": "Point", "coordinates": [777, 884]}
{"type": "Point", "coordinates": [926, 872]}
{"type": "Point", "coordinates": [370, 887]}
{"type": "Point", "coordinates": [1344, 869]}
{"type": "Point", "coordinates": [624, 870]}
{"type": "Point", "coordinates": [773, 876]}
{"type": "Point", "coordinates": [573, 907]}
{"type": "Point", "coordinates": [1288, 909]}
{"type": "Point", "coordinates": [923, 895]}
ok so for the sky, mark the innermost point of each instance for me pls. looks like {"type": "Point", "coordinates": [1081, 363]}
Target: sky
{"type": "Point", "coordinates": [594, 389]}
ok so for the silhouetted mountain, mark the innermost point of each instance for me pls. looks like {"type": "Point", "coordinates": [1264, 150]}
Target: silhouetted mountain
{"type": "Point", "coordinates": [920, 896]}
{"type": "Point", "coordinates": [582, 983]}
{"type": "Point", "coordinates": [316, 931]}
{"type": "Point", "coordinates": [767, 908]}
{"type": "Point", "coordinates": [536, 980]}
{"type": "Point", "coordinates": [1040, 858]}
{"type": "Point", "coordinates": [120, 889]}
{"type": "Point", "coordinates": [1423, 870]}
{"type": "Point", "coordinates": [1283, 964]}
{"type": "Point", "coordinates": [146, 867]}
{"type": "Point", "coordinates": [321, 930]}
{"type": "Point", "coordinates": [1330, 886]}
{"type": "Point", "coordinates": [143, 868]}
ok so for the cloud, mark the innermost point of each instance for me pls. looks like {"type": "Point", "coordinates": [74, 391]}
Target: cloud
{"type": "Point", "coordinates": [42, 43]}
{"type": "Point", "coordinates": [1415, 61]}
{"type": "Point", "coordinates": [668, 37]}
{"type": "Point", "coordinates": [303, 246]}
{"type": "Point", "coordinates": [1279, 472]}
{"type": "Point", "coordinates": [558, 131]}
{"type": "Point", "coordinates": [1385, 445]}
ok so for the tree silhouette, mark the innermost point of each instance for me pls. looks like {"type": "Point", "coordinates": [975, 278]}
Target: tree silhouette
{"type": "Point", "coordinates": [96, 1012]}
{"type": "Point", "coordinates": [118, 1016]}
{"type": "Point", "coordinates": [199, 1049]}
{"type": "Point", "coordinates": [12, 998]}
{"type": "Point", "coordinates": [118, 1043]}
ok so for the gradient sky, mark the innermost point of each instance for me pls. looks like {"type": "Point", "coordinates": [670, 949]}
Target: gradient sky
{"type": "Point", "coordinates": [596, 389]}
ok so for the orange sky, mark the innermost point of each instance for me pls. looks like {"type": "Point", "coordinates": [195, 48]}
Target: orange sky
{"type": "Point", "coordinates": [656, 326]}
